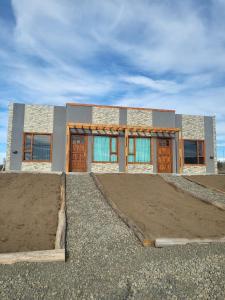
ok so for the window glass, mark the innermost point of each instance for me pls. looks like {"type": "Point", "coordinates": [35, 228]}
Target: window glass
{"type": "Point", "coordinates": [113, 145]}
{"type": "Point", "coordinates": [194, 152]}
{"type": "Point", "coordinates": [113, 157]}
{"type": "Point", "coordinates": [28, 142]}
{"type": "Point", "coordinates": [131, 146]}
{"type": "Point", "coordinates": [130, 158]}
{"type": "Point", "coordinates": [143, 150]}
{"type": "Point", "coordinates": [41, 147]}
{"type": "Point", "coordinates": [27, 156]}
{"type": "Point", "coordinates": [101, 149]}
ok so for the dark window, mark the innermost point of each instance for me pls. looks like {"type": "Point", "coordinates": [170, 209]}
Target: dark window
{"type": "Point", "coordinates": [194, 152]}
{"type": "Point", "coordinates": [37, 147]}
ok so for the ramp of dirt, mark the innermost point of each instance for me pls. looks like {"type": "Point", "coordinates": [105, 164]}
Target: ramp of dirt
{"type": "Point", "coordinates": [211, 181]}
{"type": "Point", "coordinates": [29, 205]}
{"type": "Point", "coordinates": [160, 210]}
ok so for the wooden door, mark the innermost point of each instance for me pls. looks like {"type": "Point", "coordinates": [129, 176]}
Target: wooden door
{"type": "Point", "coordinates": [78, 153]}
{"type": "Point", "coordinates": [164, 154]}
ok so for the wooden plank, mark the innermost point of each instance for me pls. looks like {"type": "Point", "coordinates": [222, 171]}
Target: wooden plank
{"type": "Point", "coordinates": [166, 242]}
{"type": "Point", "coordinates": [33, 256]}
{"type": "Point", "coordinates": [137, 231]}
{"type": "Point", "coordinates": [120, 127]}
{"type": "Point", "coordinates": [61, 228]}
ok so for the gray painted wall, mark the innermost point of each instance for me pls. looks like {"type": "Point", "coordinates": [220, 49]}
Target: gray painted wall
{"type": "Point", "coordinates": [59, 139]}
{"type": "Point", "coordinates": [178, 121]}
{"type": "Point", "coordinates": [163, 119]}
{"type": "Point", "coordinates": [123, 116]}
{"type": "Point", "coordinates": [89, 158]}
{"type": "Point", "coordinates": [79, 114]}
{"type": "Point", "coordinates": [122, 163]}
{"type": "Point", "coordinates": [209, 144]}
{"type": "Point", "coordinates": [17, 137]}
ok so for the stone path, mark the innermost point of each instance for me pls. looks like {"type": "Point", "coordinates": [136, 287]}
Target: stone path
{"type": "Point", "coordinates": [195, 189]}
{"type": "Point", "coordinates": [105, 261]}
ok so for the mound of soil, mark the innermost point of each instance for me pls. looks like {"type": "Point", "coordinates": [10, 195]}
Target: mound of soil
{"type": "Point", "coordinates": [210, 181]}
{"type": "Point", "coordinates": [160, 210]}
{"type": "Point", "coordinates": [29, 205]}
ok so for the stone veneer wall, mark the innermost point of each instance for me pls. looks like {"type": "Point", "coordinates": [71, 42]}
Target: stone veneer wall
{"type": "Point", "coordinates": [139, 117]}
{"type": "Point", "coordinates": [194, 170]}
{"type": "Point", "coordinates": [9, 137]}
{"type": "Point", "coordinates": [193, 127]}
{"type": "Point", "coordinates": [215, 147]}
{"type": "Point", "coordinates": [105, 115]}
{"type": "Point", "coordinates": [105, 167]}
{"type": "Point", "coordinates": [140, 168]}
{"type": "Point", "coordinates": [37, 166]}
{"type": "Point", "coordinates": [38, 118]}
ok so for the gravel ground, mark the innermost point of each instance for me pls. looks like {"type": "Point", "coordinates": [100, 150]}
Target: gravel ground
{"type": "Point", "coordinates": [105, 261]}
{"type": "Point", "coordinates": [195, 189]}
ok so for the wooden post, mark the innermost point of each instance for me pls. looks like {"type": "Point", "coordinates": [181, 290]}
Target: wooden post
{"type": "Point", "coordinates": [126, 149]}
{"type": "Point", "coordinates": [180, 141]}
{"type": "Point", "coordinates": [67, 148]}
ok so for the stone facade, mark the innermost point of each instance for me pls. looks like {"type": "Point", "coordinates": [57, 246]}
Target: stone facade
{"type": "Point", "coordinates": [193, 127]}
{"type": "Point", "coordinates": [38, 118]}
{"type": "Point", "coordinates": [105, 167]}
{"type": "Point", "coordinates": [104, 115]}
{"type": "Point", "coordinates": [215, 148]}
{"type": "Point", "coordinates": [9, 137]}
{"type": "Point", "coordinates": [139, 117]}
{"type": "Point", "coordinates": [194, 170]}
{"type": "Point", "coordinates": [37, 166]}
{"type": "Point", "coordinates": [140, 168]}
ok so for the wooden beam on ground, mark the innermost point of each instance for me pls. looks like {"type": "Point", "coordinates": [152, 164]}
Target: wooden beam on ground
{"type": "Point", "coordinates": [166, 242]}
{"type": "Point", "coordinates": [33, 256]}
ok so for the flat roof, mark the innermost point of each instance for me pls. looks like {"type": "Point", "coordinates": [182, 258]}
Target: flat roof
{"type": "Point", "coordinates": [115, 106]}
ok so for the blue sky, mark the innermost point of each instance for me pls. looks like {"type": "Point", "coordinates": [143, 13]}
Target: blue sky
{"type": "Point", "coordinates": [159, 54]}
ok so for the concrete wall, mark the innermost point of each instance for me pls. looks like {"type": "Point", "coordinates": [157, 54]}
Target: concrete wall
{"type": "Point", "coordinates": [9, 136]}
{"type": "Point", "coordinates": [163, 119]}
{"type": "Point", "coordinates": [59, 139]}
{"type": "Point", "coordinates": [78, 114]}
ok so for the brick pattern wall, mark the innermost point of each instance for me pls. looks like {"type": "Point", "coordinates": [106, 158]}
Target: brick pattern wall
{"type": "Point", "coordinates": [36, 166]}
{"type": "Point", "coordinates": [194, 170]}
{"type": "Point", "coordinates": [215, 145]}
{"type": "Point", "coordinates": [105, 168]}
{"type": "Point", "coordinates": [193, 127]}
{"type": "Point", "coordinates": [139, 117]}
{"type": "Point", "coordinates": [38, 118]}
{"type": "Point", "coordinates": [9, 136]}
{"type": "Point", "coordinates": [140, 168]}
{"type": "Point", "coordinates": [102, 115]}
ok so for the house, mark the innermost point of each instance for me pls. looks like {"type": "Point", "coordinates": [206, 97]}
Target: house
{"type": "Point", "coordinates": [94, 138]}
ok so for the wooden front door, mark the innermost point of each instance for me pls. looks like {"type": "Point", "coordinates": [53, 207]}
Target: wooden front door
{"type": "Point", "coordinates": [78, 153]}
{"type": "Point", "coordinates": [164, 154]}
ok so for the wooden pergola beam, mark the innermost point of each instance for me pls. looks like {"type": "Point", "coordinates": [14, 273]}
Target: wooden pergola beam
{"type": "Point", "coordinates": [121, 127]}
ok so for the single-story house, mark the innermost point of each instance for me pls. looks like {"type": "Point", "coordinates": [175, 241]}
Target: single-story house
{"type": "Point", "coordinates": [96, 138]}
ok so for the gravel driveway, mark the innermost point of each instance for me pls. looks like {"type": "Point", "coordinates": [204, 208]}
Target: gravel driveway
{"type": "Point", "coordinates": [107, 262]}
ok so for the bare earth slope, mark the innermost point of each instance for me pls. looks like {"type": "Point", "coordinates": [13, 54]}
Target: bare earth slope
{"type": "Point", "coordinates": [29, 206]}
{"type": "Point", "coordinates": [211, 181]}
{"type": "Point", "coordinates": [160, 210]}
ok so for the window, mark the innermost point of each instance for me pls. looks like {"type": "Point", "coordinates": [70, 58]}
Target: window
{"type": "Point", "coordinates": [105, 149]}
{"type": "Point", "coordinates": [139, 150]}
{"type": "Point", "coordinates": [194, 152]}
{"type": "Point", "coordinates": [37, 147]}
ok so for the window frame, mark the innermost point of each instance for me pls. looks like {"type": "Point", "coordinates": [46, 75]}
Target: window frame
{"type": "Point", "coordinates": [32, 134]}
{"type": "Point", "coordinates": [204, 152]}
{"type": "Point", "coordinates": [134, 154]}
{"type": "Point", "coordinates": [111, 152]}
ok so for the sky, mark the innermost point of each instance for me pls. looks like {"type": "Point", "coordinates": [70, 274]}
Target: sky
{"type": "Point", "coordinates": [158, 54]}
